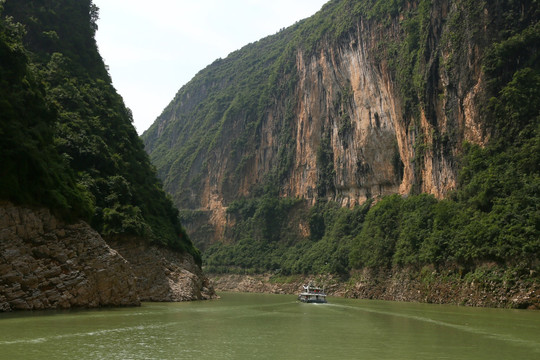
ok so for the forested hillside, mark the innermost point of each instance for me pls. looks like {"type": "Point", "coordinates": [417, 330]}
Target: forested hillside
{"type": "Point", "coordinates": [376, 134]}
{"type": "Point", "coordinates": [68, 142]}
{"type": "Point", "coordinates": [32, 171]}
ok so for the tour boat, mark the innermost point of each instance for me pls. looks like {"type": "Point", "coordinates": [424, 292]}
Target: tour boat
{"type": "Point", "coordinates": [312, 294]}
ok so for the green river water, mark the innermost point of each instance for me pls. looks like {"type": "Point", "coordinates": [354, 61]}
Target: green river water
{"type": "Point", "coordinates": [256, 326]}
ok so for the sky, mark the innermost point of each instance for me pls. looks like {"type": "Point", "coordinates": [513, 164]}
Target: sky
{"type": "Point", "coordinates": [153, 48]}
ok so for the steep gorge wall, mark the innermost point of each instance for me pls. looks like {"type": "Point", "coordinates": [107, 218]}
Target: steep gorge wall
{"type": "Point", "coordinates": [351, 132]}
{"type": "Point", "coordinates": [348, 93]}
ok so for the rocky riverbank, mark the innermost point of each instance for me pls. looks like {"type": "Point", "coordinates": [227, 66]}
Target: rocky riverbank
{"type": "Point", "coordinates": [426, 285]}
{"type": "Point", "coordinates": [164, 275]}
{"type": "Point", "coordinates": [47, 264]}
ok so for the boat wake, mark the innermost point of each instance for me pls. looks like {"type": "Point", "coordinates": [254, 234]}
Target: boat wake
{"type": "Point", "coordinates": [40, 340]}
{"type": "Point", "coordinates": [460, 327]}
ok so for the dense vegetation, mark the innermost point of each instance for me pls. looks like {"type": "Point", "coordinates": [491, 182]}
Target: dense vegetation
{"type": "Point", "coordinates": [32, 171]}
{"type": "Point", "coordinates": [492, 217]}
{"type": "Point", "coordinates": [67, 134]}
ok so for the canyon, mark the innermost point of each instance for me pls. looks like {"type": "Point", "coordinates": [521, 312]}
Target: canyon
{"type": "Point", "coordinates": [373, 136]}
{"type": "Point", "coordinates": [391, 143]}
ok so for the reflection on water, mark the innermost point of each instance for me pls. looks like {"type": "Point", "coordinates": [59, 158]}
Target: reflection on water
{"type": "Point", "coordinates": [255, 326]}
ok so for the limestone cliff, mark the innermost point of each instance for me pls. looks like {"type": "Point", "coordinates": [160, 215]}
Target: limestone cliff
{"type": "Point", "coordinates": [359, 104]}
{"type": "Point", "coordinates": [46, 263]}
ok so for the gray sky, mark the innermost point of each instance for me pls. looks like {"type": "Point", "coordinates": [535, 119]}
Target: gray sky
{"type": "Point", "coordinates": [154, 47]}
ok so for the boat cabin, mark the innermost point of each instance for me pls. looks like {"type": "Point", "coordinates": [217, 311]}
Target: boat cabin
{"type": "Point", "coordinates": [312, 294]}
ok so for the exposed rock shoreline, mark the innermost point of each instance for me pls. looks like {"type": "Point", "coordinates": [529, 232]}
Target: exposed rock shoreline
{"type": "Point", "coordinates": [47, 264]}
{"type": "Point", "coordinates": [406, 285]}
{"type": "Point", "coordinates": [164, 275]}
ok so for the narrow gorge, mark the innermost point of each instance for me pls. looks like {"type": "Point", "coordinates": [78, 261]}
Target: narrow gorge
{"type": "Point", "coordinates": [390, 148]}
{"type": "Point", "coordinates": [374, 135]}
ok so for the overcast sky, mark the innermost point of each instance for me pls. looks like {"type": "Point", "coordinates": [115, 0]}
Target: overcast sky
{"type": "Point", "coordinates": [154, 47]}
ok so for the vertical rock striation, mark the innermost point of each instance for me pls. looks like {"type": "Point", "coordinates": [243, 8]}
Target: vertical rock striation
{"type": "Point", "coordinates": [381, 108]}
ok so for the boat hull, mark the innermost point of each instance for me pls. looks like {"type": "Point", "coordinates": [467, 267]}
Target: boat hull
{"type": "Point", "coordinates": [314, 301]}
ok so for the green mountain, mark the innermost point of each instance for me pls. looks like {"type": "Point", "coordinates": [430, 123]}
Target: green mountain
{"type": "Point", "coordinates": [376, 134]}
{"type": "Point", "coordinates": [68, 142]}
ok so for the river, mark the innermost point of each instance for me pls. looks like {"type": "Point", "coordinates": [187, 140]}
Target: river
{"type": "Point", "coordinates": [262, 326]}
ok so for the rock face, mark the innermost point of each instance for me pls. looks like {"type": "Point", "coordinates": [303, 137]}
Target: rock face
{"type": "Point", "coordinates": [164, 275]}
{"type": "Point", "coordinates": [45, 264]}
{"type": "Point", "coordinates": [255, 284]}
{"type": "Point", "coordinates": [347, 102]}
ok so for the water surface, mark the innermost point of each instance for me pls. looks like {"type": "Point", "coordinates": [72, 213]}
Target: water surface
{"type": "Point", "coordinates": [256, 326]}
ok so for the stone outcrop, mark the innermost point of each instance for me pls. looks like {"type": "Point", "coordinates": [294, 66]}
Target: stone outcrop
{"type": "Point", "coordinates": [164, 275]}
{"type": "Point", "coordinates": [45, 263]}
{"type": "Point", "coordinates": [255, 284]}
{"type": "Point", "coordinates": [48, 264]}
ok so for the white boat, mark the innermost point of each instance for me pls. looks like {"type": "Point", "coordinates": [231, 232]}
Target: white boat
{"type": "Point", "coordinates": [312, 294]}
